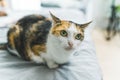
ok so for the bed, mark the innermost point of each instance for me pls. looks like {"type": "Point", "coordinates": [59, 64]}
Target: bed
{"type": "Point", "coordinates": [83, 65]}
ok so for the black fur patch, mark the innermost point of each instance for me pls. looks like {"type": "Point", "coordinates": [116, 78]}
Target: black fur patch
{"type": "Point", "coordinates": [31, 34]}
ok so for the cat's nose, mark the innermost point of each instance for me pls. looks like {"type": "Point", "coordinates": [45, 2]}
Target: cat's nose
{"type": "Point", "coordinates": [70, 44]}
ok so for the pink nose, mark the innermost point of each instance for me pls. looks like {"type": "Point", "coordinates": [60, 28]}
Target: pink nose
{"type": "Point", "coordinates": [70, 44]}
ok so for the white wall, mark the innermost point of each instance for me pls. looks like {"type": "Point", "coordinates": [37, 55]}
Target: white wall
{"type": "Point", "coordinates": [101, 12]}
{"type": "Point", "coordinates": [25, 4]}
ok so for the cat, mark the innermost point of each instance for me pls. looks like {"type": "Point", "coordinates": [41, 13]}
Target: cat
{"type": "Point", "coordinates": [41, 40]}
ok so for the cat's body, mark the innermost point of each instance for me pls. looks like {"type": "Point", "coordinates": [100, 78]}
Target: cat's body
{"type": "Point", "coordinates": [28, 36]}
{"type": "Point", "coordinates": [37, 39]}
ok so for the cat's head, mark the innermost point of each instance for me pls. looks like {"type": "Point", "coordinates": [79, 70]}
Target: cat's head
{"type": "Point", "coordinates": [69, 34]}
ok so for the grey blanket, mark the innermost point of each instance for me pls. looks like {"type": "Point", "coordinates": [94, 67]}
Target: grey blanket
{"type": "Point", "coordinates": [83, 65]}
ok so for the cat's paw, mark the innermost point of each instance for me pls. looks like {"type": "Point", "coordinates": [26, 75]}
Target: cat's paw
{"type": "Point", "coordinates": [37, 59]}
{"type": "Point", "coordinates": [52, 66]}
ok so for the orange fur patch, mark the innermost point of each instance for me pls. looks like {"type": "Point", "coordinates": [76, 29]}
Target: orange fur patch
{"type": "Point", "coordinates": [80, 30]}
{"type": "Point", "coordinates": [14, 31]}
{"type": "Point", "coordinates": [58, 27]}
{"type": "Point", "coordinates": [39, 48]}
{"type": "Point", "coordinates": [11, 40]}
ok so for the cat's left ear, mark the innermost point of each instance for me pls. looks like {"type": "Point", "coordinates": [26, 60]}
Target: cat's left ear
{"type": "Point", "coordinates": [55, 19]}
{"type": "Point", "coordinates": [85, 25]}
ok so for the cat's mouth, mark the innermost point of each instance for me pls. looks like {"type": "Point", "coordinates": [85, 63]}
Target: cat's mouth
{"type": "Point", "coordinates": [69, 48]}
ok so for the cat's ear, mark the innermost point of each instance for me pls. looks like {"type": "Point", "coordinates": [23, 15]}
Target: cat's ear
{"type": "Point", "coordinates": [55, 19]}
{"type": "Point", "coordinates": [85, 25]}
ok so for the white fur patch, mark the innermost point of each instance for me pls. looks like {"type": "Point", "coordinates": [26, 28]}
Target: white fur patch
{"type": "Point", "coordinates": [37, 59]}
{"type": "Point", "coordinates": [72, 29]}
{"type": "Point", "coordinates": [13, 52]}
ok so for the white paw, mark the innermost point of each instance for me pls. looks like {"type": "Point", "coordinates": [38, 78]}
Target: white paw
{"type": "Point", "coordinates": [52, 66]}
{"type": "Point", "coordinates": [37, 59]}
{"type": "Point", "coordinates": [50, 63]}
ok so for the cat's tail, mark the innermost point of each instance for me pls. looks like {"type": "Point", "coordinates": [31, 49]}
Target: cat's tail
{"type": "Point", "coordinates": [3, 46]}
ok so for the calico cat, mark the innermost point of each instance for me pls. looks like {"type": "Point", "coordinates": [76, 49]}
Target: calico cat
{"type": "Point", "coordinates": [36, 38]}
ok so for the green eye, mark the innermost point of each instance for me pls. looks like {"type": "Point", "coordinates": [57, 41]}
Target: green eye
{"type": "Point", "coordinates": [78, 36]}
{"type": "Point", "coordinates": [63, 33]}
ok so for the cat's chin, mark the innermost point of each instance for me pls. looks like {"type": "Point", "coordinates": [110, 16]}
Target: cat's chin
{"type": "Point", "coordinates": [69, 48]}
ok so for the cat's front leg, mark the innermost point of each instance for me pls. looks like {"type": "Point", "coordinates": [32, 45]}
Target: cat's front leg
{"type": "Point", "coordinates": [37, 59]}
{"type": "Point", "coordinates": [51, 64]}
{"type": "Point", "coordinates": [49, 61]}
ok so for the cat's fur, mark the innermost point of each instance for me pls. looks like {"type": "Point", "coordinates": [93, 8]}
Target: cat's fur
{"type": "Point", "coordinates": [37, 39]}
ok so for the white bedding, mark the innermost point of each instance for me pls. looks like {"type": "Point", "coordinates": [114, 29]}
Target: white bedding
{"type": "Point", "coordinates": [83, 65]}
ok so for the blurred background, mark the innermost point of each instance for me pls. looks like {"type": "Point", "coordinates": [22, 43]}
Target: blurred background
{"type": "Point", "coordinates": [105, 15]}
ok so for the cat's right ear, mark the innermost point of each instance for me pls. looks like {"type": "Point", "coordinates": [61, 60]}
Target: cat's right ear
{"type": "Point", "coordinates": [55, 19]}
